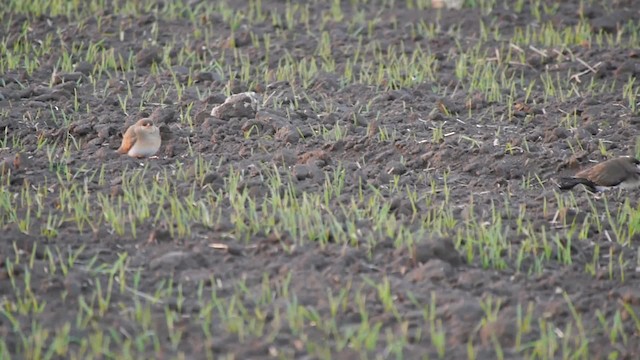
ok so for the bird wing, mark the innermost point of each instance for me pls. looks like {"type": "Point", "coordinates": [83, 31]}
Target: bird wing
{"type": "Point", "coordinates": [614, 175]}
{"type": "Point", "coordinates": [128, 140]}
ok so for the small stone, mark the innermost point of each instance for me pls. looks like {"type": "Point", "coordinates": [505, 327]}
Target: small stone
{"type": "Point", "coordinates": [433, 270]}
{"type": "Point", "coordinates": [207, 76]}
{"type": "Point", "coordinates": [396, 168]}
{"type": "Point", "coordinates": [302, 171]}
{"type": "Point", "coordinates": [83, 67]}
{"type": "Point", "coordinates": [288, 135]}
{"type": "Point", "coordinates": [105, 131]}
{"type": "Point", "coordinates": [169, 260]}
{"type": "Point", "coordinates": [440, 248]}
{"type": "Point", "coordinates": [243, 105]}
{"type": "Point", "coordinates": [163, 115]}
{"type": "Point", "coordinates": [81, 128]}
{"type": "Point", "coordinates": [67, 77]}
{"type": "Point", "coordinates": [146, 57]}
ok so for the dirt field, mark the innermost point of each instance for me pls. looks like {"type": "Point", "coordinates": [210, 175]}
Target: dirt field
{"type": "Point", "coordinates": [389, 193]}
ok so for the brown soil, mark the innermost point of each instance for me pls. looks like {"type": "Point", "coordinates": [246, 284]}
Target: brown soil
{"type": "Point", "coordinates": [483, 173]}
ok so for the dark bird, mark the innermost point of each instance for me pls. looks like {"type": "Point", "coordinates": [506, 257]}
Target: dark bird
{"type": "Point", "coordinates": [622, 172]}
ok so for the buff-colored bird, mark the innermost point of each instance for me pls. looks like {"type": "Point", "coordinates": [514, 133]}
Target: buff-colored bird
{"type": "Point", "coordinates": [141, 139]}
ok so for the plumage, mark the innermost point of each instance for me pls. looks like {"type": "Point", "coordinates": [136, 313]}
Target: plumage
{"type": "Point", "coordinates": [141, 139]}
{"type": "Point", "coordinates": [623, 172]}
{"type": "Point", "coordinates": [128, 139]}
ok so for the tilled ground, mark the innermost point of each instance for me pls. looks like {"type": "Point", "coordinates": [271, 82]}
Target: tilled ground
{"type": "Point", "coordinates": [496, 158]}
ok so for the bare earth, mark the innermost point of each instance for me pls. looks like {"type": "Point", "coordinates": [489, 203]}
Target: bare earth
{"type": "Point", "coordinates": [480, 157]}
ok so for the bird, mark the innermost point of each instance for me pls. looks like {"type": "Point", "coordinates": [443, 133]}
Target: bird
{"type": "Point", "coordinates": [141, 139]}
{"type": "Point", "coordinates": [622, 172]}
